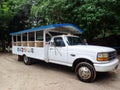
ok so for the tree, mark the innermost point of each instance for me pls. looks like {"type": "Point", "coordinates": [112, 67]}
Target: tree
{"type": "Point", "coordinates": [9, 9]}
{"type": "Point", "coordinates": [98, 18]}
{"type": "Point", "coordinates": [5, 13]}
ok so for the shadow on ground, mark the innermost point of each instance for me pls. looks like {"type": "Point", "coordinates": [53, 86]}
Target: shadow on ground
{"type": "Point", "coordinates": [55, 67]}
{"type": "Point", "coordinates": [106, 76]}
{"type": "Point", "coordinates": [101, 77]}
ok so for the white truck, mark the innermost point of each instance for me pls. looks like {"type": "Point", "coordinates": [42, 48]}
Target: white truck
{"type": "Point", "coordinates": [61, 44]}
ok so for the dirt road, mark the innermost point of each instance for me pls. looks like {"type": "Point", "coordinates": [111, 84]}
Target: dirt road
{"type": "Point", "coordinates": [14, 75]}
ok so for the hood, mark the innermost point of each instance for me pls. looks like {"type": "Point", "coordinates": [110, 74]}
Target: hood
{"type": "Point", "coordinates": [90, 48]}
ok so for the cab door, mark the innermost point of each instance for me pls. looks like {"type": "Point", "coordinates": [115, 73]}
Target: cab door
{"type": "Point", "coordinates": [58, 50]}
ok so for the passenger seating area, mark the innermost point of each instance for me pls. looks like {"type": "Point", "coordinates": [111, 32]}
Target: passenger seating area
{"type": "Point", "coordinates": [29, 43]}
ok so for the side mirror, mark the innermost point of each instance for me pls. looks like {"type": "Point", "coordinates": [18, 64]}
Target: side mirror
{"type": "Point", "coordinates": [85, 41]}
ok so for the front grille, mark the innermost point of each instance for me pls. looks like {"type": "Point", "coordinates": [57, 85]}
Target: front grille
{"type": "Point", "coordinates": [112, 55]}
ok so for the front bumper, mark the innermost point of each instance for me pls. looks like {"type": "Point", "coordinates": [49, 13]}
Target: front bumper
{"type": "Point", "coordinates": [107, 66]}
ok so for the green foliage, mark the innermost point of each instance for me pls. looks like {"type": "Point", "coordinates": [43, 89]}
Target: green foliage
{"type": "Point", "coordinates": [95, 17]}
{"type": "Point", "coordinates": [11, 15]}
{"type": "Point", "coordinates": [98, 18]}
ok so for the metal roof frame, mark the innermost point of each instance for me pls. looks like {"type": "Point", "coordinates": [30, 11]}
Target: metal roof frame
{"type": "Point", "coordinates": [52, 26]}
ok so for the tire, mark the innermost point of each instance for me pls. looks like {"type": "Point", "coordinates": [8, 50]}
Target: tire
{"type": "Point", "coordinates": [20, 58]}
{"type": "Point", "coordinates": [85, 72]}
{"type": "Point", "coordinates": [27, 60]}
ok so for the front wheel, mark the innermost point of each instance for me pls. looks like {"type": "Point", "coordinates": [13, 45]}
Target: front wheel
{"type": "Point", "coordinates": [85, 72]}
{"type": "Point", "coordinates": [27, 60]}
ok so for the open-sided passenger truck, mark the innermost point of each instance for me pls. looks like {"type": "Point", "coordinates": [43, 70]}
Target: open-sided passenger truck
{"type": "Point", "coordinates": [59, 43]}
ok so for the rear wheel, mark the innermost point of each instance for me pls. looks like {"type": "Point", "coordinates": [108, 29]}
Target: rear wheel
{"type": "Point", "coordinates": [85, 72]}
{"type": "Point", "coordinates": [27, 60]}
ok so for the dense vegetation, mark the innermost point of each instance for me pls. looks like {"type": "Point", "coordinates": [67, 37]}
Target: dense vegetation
{"type": "Point", "coordinates": [98, 18]}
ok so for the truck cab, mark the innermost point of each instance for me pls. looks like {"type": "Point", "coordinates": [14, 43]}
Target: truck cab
{"type": "Point", "coordinates": [86, 60]}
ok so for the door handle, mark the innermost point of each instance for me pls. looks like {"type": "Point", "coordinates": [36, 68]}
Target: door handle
{"type": "Point", "coordinates": [72, 55]}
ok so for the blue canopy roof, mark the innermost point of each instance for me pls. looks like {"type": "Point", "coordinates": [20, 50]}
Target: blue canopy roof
{"type": "Point", "coordinates": [53, 26]}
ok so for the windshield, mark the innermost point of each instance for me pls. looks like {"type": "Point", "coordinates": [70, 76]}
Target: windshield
{"type": "Point", "coordinates": [74, 40]}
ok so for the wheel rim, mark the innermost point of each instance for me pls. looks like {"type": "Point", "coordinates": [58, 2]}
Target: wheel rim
{"type": "Point", "coordinates": [25, 59]}
{"type": "Point", "coordinates": [84, 72]}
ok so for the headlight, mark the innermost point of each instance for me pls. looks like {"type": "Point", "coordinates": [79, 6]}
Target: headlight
{"type": "Point", "coordinates": [102, 56]}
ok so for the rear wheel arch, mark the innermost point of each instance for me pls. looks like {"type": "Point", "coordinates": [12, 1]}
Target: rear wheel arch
{"type": "Point", "coordinates": [23, 55]}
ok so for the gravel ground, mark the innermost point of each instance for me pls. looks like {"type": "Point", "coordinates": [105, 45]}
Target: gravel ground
{"type": "Point", "coordinates": [14, 75]}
